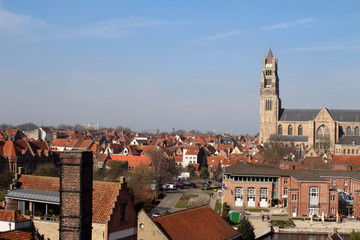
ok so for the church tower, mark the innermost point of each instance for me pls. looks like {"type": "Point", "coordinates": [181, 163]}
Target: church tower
{"type": "Point", "coordinates": [269, 98]}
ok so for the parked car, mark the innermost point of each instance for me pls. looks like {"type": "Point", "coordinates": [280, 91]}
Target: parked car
{"type": "Point", "coordinates": [155, 214]}
{"type": "Point", "coordinates": [189, 185]}
{"type": "Point", "coordinates": [179, 185]}
{"type": "Point", "coordinates": [171, 186]}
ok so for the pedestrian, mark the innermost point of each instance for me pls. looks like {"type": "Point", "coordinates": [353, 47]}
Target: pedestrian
{"type": "Point", "coordinates": [262, 215]}
{"type": "Point", "coordinates": [268, 218]}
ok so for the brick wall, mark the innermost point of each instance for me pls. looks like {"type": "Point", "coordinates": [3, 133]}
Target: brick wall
{"type": "Point", "coordinates": [76, 195]}
{"type": "Point", "coordinates": [229, 195]}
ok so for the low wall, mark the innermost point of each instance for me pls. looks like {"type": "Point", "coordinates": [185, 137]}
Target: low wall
{"type": "Point", "coordinates": [50, 229]}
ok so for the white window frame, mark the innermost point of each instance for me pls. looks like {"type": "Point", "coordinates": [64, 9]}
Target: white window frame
{"type": "Point", "coordinates": [314, 195]}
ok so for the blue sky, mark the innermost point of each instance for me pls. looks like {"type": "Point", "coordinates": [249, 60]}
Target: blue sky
{"type": "Point", "coordinates": [172, 64]}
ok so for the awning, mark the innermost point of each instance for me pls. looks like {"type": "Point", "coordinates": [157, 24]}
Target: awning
{"type": "Point", "coordinates": [34, 195]}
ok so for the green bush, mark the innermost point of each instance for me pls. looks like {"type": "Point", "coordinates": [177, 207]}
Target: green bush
{"type": "Point", "coordinates": [225, 210]}
{"type": "Point", "coordinates": [28, 212]}
{"type": "Point", "coordinates": [18, 211]}
{"type": "Point", "coordinates": [354, 235]}
{"type": "Point", "coordinates": [38, 214]}
{"type": "Point", "coordinates": [282, 223]}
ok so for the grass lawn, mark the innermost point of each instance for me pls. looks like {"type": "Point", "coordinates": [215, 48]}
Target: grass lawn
{"type": "Point", "coordinates": [280, 215]}
{"type": "Point", "coordinates": [282, 223]}
{"type": "Point", "coordinates": [258, 210]}
{"type": "Point", "coordinates": [181, 204]}
{"type": "Point", "coordinates": [183, 200]}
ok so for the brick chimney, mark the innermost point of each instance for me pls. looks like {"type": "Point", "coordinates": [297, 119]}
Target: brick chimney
{"type": "Point", "coordinates": [76, 195]}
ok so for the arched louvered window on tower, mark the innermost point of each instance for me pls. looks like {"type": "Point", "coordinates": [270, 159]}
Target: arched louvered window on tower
{"type": "Point", "coordinates": [280, 130]}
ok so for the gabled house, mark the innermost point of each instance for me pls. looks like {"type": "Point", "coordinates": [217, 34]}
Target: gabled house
{"type": "Point", "coordinates": [190, 155]}
{"type": "Point", "coordinates": [200, 223]}
{"type": "Point", "coordinates": [113, 212]}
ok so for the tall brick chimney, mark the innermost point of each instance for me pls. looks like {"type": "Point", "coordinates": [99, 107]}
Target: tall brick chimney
{"type": "Point", "coordinates": [75, 195]}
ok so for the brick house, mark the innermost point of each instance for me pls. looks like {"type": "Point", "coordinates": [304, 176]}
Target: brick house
{"type": "Point", "coordinates": [301, 192]}
{"type": "Point", "coordinates": [114, 215]}
{"type": "Point", "coordinates": [25, 154]}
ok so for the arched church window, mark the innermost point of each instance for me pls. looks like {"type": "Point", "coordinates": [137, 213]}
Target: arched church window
{"type": "Point", "coordinates": [357, 131]}
{"type": "Point", "coordinates": [348, 131]}
{"type": "Point", "coordinates": [300, 130]}
{"type": "Point", "coordinates": [280, 129]}
{"type": "Point", "coordinates": [323, 133]}
{"type": "Point", "coordinates": [290, 132]}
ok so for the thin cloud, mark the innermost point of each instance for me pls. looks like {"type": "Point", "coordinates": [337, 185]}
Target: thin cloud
{"type": "Point", "coordinates": [217, 36]}
{"type": "Point", "coordinates": [34, 29]}
{"type": "Point", "coordinates": [290, 24]}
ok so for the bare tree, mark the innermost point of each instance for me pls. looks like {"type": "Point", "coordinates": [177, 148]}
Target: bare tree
{"type": "Point", "coordinates": [5, 126]}
{"type": "Point", "coordinates": [140, 180]}
{"type": "Point", "coordinates": [280, 150]}
{"type": "Point", "coordinates": [27, 126]}
{"type": "Point", "coordinates": [65, 127]}
{"type": "Point", "coordinates": [164, 169]}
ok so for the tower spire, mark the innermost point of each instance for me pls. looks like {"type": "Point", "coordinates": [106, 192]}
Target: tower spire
{"type": "Point", "coordinates": [269, 56]}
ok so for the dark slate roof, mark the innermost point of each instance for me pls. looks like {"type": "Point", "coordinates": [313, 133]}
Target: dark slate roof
{"type": "Point", "coordinates": [247, 169]}
{"type": "Point", "coordinates": [341, 115]}
{"type": "Point", "coordinates": [34, 195]}
{"type": "Point", "coordinates": [345, 115]}
{"type": "Point", "coordinates": [349, 140]}
{"type": "Point", "coordinates": [298, 114]}
{"type": "Point", "coordinates": [288, 138]}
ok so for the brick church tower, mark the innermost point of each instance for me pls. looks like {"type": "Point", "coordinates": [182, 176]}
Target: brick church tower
{"type": "Point", "coordinates": [76, 195]}
{"type": "Point", "coordinates": [270, 102]}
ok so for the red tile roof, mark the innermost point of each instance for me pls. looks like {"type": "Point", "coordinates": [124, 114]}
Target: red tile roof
{"type": "Point", "coordinates": [15, 148]}
{"type": "Point", "coordinates": [10, 216]}
{"type": "Point", "coordinates": [191, 150]}
{"type": "Point", "coordinates": [196, 224]}
{"type": "Point", "coordinates": [59, 142]}
{"type": "Point", "coordinates": [353, 160]}
{"type": "Point", "coordinates": [17, 235]}
{"type": "Point", "coordinates": [104, 193]}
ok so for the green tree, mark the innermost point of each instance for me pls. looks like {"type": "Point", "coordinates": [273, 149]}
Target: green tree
{"type": "Point", "coordinates": [47, 169]}
{"type": "Point", "coordinates": [246, 229]}
{"type": "Point", "coordinates": [354, 235]}
{"type": "Point", "coordinates": [204, 171]}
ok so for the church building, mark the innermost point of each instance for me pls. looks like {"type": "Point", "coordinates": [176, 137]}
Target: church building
{"type": "Point", "coordinates": [335, 131]}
